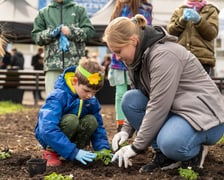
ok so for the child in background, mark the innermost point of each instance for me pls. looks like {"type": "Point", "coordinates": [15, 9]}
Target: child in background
{"type": "Point", "coordinates": [118, 75]}
{"type": "Point", "coordinates": [70, 117]}
{"type": "Point", "coordinates": [196, 24]}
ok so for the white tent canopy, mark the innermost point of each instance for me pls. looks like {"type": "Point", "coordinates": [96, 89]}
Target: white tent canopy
{"type": "Point", "coordinates": [17, 17]}
{"type": "Point", "coordinates": [18, 10]}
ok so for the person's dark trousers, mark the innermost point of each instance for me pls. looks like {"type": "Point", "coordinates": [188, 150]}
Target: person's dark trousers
{"type": "Point", "coordinates": [37, 95]}
{"type": "Point", "coordinates": [78, 130]}
{"type": "Point", "coordinates": [208, 69]}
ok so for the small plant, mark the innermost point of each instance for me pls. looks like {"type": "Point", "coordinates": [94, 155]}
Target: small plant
{"type": "Point", "coordinates": [221, 141]}
{"type": "Point", "coordinates": [188, 173]}
{"type": "Point", "coordinates": [124, 144]}
{"type": "Point", "coordinates": [4, 155]}
{"type": "Point", "coordinates": [55, 176]}
{"type": "Point", "coordinates": [104, 155]}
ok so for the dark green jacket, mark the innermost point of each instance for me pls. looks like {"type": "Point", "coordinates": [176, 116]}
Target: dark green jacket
{"type": "Point", "coordinates": [72, 15]}
{"type": "Point", "coordinates": [198, 38]}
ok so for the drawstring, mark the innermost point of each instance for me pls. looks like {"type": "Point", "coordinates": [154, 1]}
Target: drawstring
{"type": "Point", "coordinates": [80, 107]}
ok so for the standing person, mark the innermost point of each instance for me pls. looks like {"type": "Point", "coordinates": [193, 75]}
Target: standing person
{"type": "Point", "coordinates": [118, 75]}
{"type": "Point", "coordinates": [6, 60]}
{"type": "Point", "coordinates": [70, 117]}
{"type": "Point", "coordinates": [38, 63]}
{"type": "Point", "coordinates": [106, 64]}
{"type": "Point", "coordinates": [17, 59]}
{"type": "Point", "coordinates": [175, 106]}
{"type": "Point", "coordinates": [196, 25]}
{"type": "Point", "coordinates": [63, 28]}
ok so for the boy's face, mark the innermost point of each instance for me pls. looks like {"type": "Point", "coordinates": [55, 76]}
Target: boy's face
{"type": "Point", "coordinates": [83, 91]}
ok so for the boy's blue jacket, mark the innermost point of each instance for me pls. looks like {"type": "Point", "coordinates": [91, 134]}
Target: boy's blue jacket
{"type": "Point", "coordinates": [60, 102]}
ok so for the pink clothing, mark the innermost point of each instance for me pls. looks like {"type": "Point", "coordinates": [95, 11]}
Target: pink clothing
{"type": "Point", "coordinates": [196, 4]}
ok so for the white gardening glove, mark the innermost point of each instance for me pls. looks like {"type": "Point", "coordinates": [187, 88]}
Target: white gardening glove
{"type": "Point", "coordinates": [119, 139]}
{"type": "Point", "coordinates": [123, 155]}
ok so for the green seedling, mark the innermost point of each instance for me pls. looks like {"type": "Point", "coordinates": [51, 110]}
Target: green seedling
{"type": "Point", "coordinates": [104, 155]}
{"type": "Point", "coordinates": [4, 155]}
{"type": "Point", "coordinates": [124, 144]}
{"type": "Point", "coordinates": [55, 176]}
{"type": "Point", "coordinates": [189, 174]}
{"type": "Point", "coordinates": [221, 141]}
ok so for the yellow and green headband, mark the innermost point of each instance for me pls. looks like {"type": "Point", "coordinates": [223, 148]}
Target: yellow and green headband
{"type": "Point", "coordinates": [94, 78]}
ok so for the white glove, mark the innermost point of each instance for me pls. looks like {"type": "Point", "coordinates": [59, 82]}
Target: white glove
{"type": "Point", "coordinates": [123, 155]}
{"type": "Point", "coordinates": [119, 139]}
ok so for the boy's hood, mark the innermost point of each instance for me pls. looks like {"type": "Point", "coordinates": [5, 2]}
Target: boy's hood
{"type": "Point", "coordinates": [62, 81]}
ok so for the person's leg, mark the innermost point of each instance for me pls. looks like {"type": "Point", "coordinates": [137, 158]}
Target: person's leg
{"type": "Point", "coordinates": [134, 105]}
{"type": "Point", "coordinates": [39, 95]}
{"type": "Point", "coordinates": [179, 141]}
{"type": "Point", "coordinates": [69, 125]}
{"type": "Point", "coordinates": [87, 125]}
{"type": "Point", "coordinates": [120, 90]}
{"type": "Point", "coordinates": [207, 68]}
{"type": "Point", "coordinates": [50, 78]}
{"type": "Point", "coordinates": [34, 95]}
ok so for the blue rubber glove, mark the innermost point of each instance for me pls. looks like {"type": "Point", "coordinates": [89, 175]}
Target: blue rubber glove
{"type": "Point", "coordinates": [192, 14]}
{"type": "Point", "coordinates": [85, 156]}
{"type": "Point", "coordinates": [186, 14]}
{"type": "Point", "coordinates": [56, 31]}
{"type": "Point", "coordinates": [63, 42]}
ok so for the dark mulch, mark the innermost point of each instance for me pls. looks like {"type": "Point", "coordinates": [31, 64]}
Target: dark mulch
{"type": "Point", "coordinates": [17, 135]}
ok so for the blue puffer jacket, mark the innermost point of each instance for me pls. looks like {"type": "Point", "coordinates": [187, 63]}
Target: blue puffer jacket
{"type": "Point", "coordinates": [60, 102]}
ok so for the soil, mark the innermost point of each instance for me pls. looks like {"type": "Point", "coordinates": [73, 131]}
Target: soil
{"type": "Point", "coordinates": [17, 136]}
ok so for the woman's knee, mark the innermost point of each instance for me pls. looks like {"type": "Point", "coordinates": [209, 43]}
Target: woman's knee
{"type": "Point", "coordinates": [134, 99]}
{"type": "Point", "coordinates": [178, 140]}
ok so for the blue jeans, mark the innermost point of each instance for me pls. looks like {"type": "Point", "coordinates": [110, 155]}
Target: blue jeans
{"type": "Point", "coordinates": [177, 139]}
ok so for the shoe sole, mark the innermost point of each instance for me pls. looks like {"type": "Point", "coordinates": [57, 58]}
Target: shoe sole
{"type": "Point", "coordinates": [171, 166]}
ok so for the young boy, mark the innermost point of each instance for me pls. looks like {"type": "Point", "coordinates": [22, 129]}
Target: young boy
{"type": "Point", "coordinates": [70, 117]}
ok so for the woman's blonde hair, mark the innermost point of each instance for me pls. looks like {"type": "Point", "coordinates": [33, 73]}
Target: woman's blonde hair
{"type": "Point", "coordinates": [92, 66]}
{"type": "Point", "coordinates": [120, 30]}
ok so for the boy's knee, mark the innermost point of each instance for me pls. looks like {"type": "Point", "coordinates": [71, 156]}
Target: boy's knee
{"type": "Point", "coordinates": [69, 121]}
{"type": "Point", "coordinates": [90, 121]}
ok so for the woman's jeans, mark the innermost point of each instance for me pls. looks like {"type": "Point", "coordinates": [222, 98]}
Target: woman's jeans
{"type": "Point", "coordinates": [176, 138]}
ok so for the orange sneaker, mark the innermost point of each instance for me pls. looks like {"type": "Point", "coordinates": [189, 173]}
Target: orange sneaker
{"type": "Point", "coordinates": [52, 158]}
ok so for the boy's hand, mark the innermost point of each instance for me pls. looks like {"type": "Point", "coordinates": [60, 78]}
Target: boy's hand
{"type": "Point", "coordinates": [85, 156]}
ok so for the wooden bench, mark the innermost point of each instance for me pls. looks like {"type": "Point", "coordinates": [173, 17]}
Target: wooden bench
{"type": "Point", "coordinates": [219, 81]}
{"type": "Point", "coordinates": [23, 80]}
